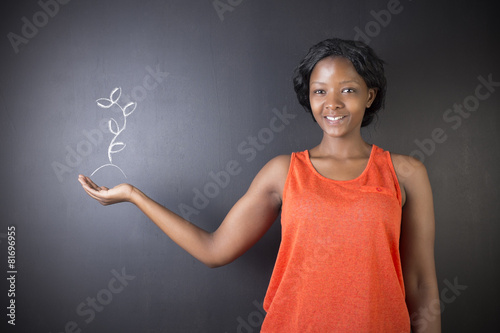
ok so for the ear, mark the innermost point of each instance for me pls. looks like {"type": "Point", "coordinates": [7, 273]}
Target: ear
{"type": "Point", "coordinates": [372, 93]}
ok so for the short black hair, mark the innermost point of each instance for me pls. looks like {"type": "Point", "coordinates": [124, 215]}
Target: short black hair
{"type": "Point", "coordinates": [368, 65]}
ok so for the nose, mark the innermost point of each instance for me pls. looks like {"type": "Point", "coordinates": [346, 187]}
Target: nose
{"type": "Point", "coordinates": [334, 101]}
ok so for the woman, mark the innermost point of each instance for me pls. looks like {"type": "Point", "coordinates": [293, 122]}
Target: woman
{"type": "Point", "coordinates": [357, 249]}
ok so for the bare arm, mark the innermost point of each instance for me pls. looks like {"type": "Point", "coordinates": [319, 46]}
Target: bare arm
{"type": "Point", "coordinates": [417, 248]}
{"type": "Point", "coordinates": [243, 226]}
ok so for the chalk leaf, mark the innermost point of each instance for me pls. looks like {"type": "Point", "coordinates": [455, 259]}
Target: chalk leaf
{"type": "Point", "coordinates": [120, 146]}
{"type": "Point", "coordinates": [115, 95]}
{"type": "Point", "coordinates": [113, 126]}
{"type": "Point", "coordinates": [129, 108]}
{"type": "Point", "coordinates": [104, 103]}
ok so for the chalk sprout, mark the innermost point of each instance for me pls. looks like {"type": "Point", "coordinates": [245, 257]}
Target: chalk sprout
{"type": "Point", "coordinates": [114, 127]}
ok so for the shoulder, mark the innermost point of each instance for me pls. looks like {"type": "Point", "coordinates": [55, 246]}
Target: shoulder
{"type": "Point", "coordinates": [281, 161]}
{"type": "Point", "coordinates": [411, 173]}
{"type": "Point", "coordinates": [272, 177]}
{"type": "Point", "coordinates": [408, 168]}
{"type": "Point", "coordinates": [277, 167]}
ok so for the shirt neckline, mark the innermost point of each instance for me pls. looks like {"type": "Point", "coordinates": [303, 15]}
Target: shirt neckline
{"type": "Point", "coordinates": [311, 166]}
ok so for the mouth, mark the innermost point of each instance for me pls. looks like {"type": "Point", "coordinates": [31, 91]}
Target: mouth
{"type": "Point", "coordinates": [334, 118]}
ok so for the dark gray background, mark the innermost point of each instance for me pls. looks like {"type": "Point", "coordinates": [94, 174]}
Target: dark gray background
{"type": "Point", "coordinates": [225, 78]}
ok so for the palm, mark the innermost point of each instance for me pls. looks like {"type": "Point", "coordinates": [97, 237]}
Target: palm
{"type": "Point", "coordinates": [104, 195]}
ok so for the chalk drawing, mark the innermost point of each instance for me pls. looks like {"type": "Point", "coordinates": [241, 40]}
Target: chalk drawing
{"type": "Point", "coordinates": [115, 146]}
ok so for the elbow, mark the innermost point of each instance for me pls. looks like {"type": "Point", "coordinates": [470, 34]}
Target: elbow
{"type": "Point", "coordinates": [215, 260]}
{"type": "Point", "coordinates": [215, 263]}
{"type": "Point", "coordinates": [214, 257]}
{"type": "Point", "coordinates": [211, 262]}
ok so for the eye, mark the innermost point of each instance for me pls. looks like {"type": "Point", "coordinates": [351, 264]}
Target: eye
{"type": "Point", "coordinates": [318, 91]}
{"type": "Point", "coordinates": [348, 90]}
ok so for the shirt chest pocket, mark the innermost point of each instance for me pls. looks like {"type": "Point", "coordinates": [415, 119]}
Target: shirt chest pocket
{"type": "Point", "coordinates": [378, 189]}
{"type": "Point", "coordinates": [380, 196]}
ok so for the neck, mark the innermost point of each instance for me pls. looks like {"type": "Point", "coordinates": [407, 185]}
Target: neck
{"type": "Point", "coordinates": [342, 147]}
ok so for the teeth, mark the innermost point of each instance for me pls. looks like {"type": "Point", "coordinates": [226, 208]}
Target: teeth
{"type": "Point", "coordinates": [334, 118]}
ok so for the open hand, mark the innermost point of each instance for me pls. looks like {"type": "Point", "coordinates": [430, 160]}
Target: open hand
{"type": "Point", "coordinates": [106, 196]}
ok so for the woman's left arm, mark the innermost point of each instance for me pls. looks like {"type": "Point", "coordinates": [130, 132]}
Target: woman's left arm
{"type": "Point", "coordinates": [417, 247]}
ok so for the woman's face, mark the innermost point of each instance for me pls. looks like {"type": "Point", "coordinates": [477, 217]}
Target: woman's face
{"type": "Point", "coordinates": [338, 96]}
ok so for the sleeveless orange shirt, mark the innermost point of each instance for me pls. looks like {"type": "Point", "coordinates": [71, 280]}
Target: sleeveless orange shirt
{"type": "Point", "coordinates": [338, 267]}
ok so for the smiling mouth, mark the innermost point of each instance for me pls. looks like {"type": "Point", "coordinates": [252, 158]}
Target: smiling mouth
{"type": "Point", "coordinates": [331, 118]}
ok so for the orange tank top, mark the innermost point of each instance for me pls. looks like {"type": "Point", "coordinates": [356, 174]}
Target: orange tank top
{"type": "Point", "coordinates": [338, 267]}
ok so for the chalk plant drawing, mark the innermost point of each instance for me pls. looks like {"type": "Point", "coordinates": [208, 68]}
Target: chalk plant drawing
{"type": "Point", "coordinates": [115, 146]}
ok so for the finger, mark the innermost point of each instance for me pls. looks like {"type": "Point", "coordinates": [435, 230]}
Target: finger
{"type": "Point", "coordinates": [84, 181]}
{"type": "Point", "coordinates": [81, 179]}
{"type": "Point", "coordinates": [92, 192]}
{"type": "Point", "coordinates": [91, 183]}
{"type": "Point", "coordinates": [96, 195]}
{"type": "Point", "coordinates": [86, 185]}
{"type": "Point", "coordinates": [91, 188]}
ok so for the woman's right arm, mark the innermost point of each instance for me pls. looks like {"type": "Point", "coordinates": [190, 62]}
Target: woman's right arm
{"type": "Point", "coordinates": [247, 221]}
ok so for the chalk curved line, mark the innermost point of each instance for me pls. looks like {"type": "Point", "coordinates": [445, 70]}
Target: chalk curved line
{"type": "Point", "coordinates": [105, 165]}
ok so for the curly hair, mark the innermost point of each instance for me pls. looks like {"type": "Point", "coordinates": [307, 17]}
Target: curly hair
{"type": "Point", "coordinates": [368, 65]}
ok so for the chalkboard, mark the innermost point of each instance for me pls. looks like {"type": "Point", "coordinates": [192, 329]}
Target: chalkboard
{"type": "Point", "coordinates": [187, 101]}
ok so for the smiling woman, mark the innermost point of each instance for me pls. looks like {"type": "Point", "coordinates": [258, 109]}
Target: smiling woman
{"type": "Point", "coordinates": [357, 246]}
{"type": "Point", "coordinates": [339, 96]}
{"type": "Point", "coordinates": [369, 71]}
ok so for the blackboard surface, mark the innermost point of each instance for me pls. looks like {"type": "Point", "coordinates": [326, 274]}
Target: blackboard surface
{"type": "Point", "coordinates": [210, 82]}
